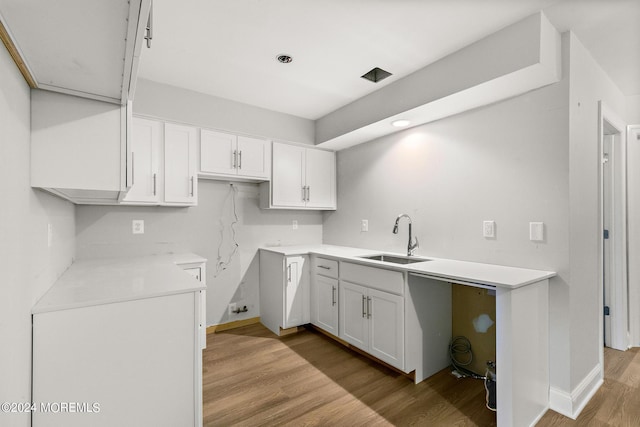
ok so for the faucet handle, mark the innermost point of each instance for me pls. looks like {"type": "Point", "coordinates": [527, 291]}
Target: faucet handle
{"type": "Point", "coordinates": [413, 245]}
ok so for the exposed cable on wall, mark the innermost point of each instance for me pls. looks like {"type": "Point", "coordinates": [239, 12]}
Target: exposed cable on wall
{"type": "Point", "coordinates": [221, 264]}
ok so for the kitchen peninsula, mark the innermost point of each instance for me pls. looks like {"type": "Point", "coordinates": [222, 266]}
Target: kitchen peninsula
{"type": "Point", "coordinates": [413, 298]}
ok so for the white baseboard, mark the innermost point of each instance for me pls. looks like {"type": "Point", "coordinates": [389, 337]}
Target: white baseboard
{"type": "Point", "coordinates": [570, 405]}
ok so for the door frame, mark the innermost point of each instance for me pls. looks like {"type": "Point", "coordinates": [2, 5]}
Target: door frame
{"type": "Point", "coordinates": [633, 176]}
{"type": "Point", "coordinates": [608, 119]}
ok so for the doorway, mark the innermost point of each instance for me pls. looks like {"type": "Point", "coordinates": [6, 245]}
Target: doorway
{"type": "Point", "coordinates": [613, 205]}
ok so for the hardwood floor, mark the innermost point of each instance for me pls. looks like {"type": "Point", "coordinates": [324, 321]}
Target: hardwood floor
{"type": "Point", "coordinates": [253, 378]}
{"type": "Point", "coordinates": [617, 402]}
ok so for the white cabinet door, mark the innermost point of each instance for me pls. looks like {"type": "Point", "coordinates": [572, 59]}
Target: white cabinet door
{"type": "Point", "coordinates": [180, 180]}
{"type": "Point", "coordinates": [325, 300]}
{"type": "Point", "coordinates": [288, 175]}
{"type": "Point", "coordinates": [296, 293]}
{"type": "Point", "coordinates": [354, 325]}
{"type": "Point", "coordinates": [146, 138]}
{"type": "Point", "coordinates": [321, 179]}
{"type": "Point", "coordinates": [253, 157]}
{"type": "Point", "coordinates": [197, 272]}
{"type": "Point", "coordinates": [386, 326]}
{"type": "Point", "coordinates": [217, 152]}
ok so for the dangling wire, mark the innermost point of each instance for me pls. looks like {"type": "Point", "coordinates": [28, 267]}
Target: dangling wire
{"type": "Point", "coordinates": [223, 265]}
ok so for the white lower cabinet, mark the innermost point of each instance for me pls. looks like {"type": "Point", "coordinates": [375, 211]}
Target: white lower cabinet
{"type": "Point", "coordinates": [372, 311]}
{"type": "Point", "coordinates": [325, 304]}
{"type": "Point", "coordinates": [198, 270]}
{"type": "Point", "coordinates": [130, 363]}
{"type": "Point", "coordinates": [373, 321]}
{"type": "Point", "coordinates": [284, 291]}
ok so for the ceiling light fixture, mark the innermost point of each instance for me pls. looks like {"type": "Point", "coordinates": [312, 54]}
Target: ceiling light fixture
{"type": "Point", "coordinates": [285, 59]}
{"type": "Point", "coordinates": [400, 123]}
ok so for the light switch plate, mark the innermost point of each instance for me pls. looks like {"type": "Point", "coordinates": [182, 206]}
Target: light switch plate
{"type": "Point", "coordinates": [137, 226]}
{"type": "Point", "coordinates": [489, 229]}
{"type": "Point", "coordinates": [364, 226]}
{"type": "Point", "coordinates": [294, 224]}
{"type": "Point", "coordinates": [536, 231]}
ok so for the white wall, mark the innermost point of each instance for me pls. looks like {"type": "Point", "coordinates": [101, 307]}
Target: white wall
{"type": "Point", "coordinates": [104, 231]}
{"type": "Point", "coordinates": [633, 109]}
{"type": "Point", "coordinates": [530, 158]}
{"type": "Point", "coordinates": [28, 266]}
{"type": "Point", "coordinates": [588, 85]}
{"type": "Point", "coordinates": [508, 162]}
{"type": "Point", "coordinates": [186, 106]}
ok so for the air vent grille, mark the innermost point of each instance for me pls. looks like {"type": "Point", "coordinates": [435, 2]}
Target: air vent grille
{"type": "Point", "coordinates": [376, 74]}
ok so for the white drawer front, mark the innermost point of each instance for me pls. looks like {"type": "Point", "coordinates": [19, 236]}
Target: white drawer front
{"type": "Point", "coordinates": [372, 277]}
{"type": "Point", "coordinates": [326, 267]}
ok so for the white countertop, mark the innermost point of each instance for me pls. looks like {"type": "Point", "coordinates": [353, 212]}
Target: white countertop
{"type": "Point", "coordinates": [462, 271]}
{"type": "Point", "coordinates": [110, 280]}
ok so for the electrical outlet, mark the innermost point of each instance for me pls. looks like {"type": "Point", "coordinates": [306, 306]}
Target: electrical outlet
{"type": "Point", "coordinates": [364, 226]}
{"type": "Point", "coordinates": [232, 308]}
{"type": "Point", "coordinates": [294, 225]}
{"type": "Point", "coordinates": [489, 229]}
{"type": "Point", "coordinates": [137, 226]}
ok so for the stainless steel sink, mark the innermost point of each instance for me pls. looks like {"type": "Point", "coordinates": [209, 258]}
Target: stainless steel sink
{"type": "Point", "coordinates": [394, 259]}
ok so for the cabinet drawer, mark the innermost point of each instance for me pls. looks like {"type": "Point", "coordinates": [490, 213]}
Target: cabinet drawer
{"type": "Point", "coordinates": [326, 267]}
{"type": "Point", "coordinates": [372, 277]}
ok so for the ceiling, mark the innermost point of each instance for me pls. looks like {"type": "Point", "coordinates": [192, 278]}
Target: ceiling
{"type": "Point", "coordinates": [228, 48]}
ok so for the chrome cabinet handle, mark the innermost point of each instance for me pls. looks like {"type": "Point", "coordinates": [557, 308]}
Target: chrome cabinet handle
{"type": "Point", "coordinates": [240, 159]}
{"type": "Point", "coordinates": [304, 193]}
{"type": "Point", "coordinates": [149, 36]}
{"type": "Point", "coordinates": [192, 187]}
{"type": "Point", "coordinates": [155, 176]}
{"type": "Point", "coordinates": [368, 308]}
{"type": "Point", "coordinates": [364, 310]}
{"type": "Point", "coordinates": [133, 169]}
{"type": "Point", "coordinates": [289, 268]}
{"type": "Point", "coordinates": [333, 295]}
{"type": "Point", "coordinates": [325, 267]}
{"type": "Point", "coordinates": [308, 193]}
{"type": "Point", "coordinates": [235, 159]}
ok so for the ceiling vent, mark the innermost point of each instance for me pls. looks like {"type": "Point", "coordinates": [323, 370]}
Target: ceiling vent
{"type": "Point", "coordinates": [376, 74]}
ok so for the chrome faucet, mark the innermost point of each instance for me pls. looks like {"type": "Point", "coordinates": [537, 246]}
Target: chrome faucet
{"type": "Point", "coordinates": [413, 243]}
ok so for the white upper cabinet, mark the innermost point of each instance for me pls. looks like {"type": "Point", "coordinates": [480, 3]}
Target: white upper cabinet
{"type": "Point", "coordinates": [254, 157]}
{"type": "Point", "coordinates": [180, 174]}
{"type": "Point", "coordinates": [146, 142]}
{"type": "Point", "coordinates": [227, 156]}
{"type": "Point", "coordinates": [164, 164]}
{"type": "Point", "coordinates": [79, 147]}
{"type": "Point", "coordinates": [321, 179]}
{"type": "Point", "coordinates": [288, 181]}
{"type": "Point", "coordinates": [302, 178]}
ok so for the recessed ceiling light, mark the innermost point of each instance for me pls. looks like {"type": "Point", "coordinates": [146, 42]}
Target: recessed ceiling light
{"type": "Point", "coordinates": [285, 59]}
{"type": "Point", "coordinates": [400, 123]}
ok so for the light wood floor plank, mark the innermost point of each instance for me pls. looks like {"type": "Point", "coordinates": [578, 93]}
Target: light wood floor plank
{"type": "Point", "coordinates": [253, 378]}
